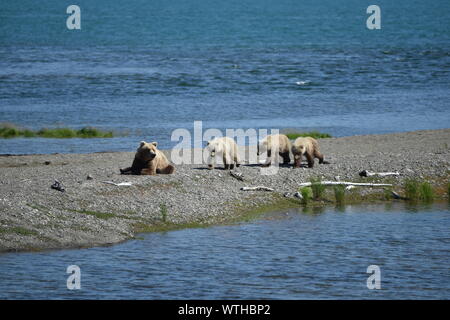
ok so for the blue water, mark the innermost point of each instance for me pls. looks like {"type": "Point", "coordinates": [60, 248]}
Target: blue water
{"type": "Point", "coordinates": [295, 254]}
{"type": "Point", "coordinates": [144, 68]}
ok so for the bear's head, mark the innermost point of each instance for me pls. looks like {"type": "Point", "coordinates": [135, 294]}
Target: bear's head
{"type": "Point", "coordinates": [300, 145]}
{"type": "Point", "coordinates": [147, 151]}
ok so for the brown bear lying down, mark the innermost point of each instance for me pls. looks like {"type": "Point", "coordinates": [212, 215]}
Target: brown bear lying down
{"type": "Point", "coordinates": [149, 161]}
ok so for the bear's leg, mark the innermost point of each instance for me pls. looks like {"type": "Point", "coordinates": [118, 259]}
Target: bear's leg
{"type": "Point", "coordinates": [236, 156]}
{"type": "Point", "coordinates": [236, 160]}
{"type": "Point", "coordinates": [167, 170]}
{"type": "Point", "coordinates": [310, 159]}
{"type": "Point", "coordinates": [286, 158]}
{"type": "Point", "coordinates": [297, 160]}
{"type": "Point", "coordinates": [211, 162]}
{"type": "Point", "coordinates": [126, 171]}
{"type": "Point", "coordinates": [318, 155]}
{"type": "Point", "coordinates": [226, 163]}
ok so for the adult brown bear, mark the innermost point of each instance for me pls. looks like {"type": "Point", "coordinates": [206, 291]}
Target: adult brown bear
{"type": "Point", "coordinates": [149, 161]}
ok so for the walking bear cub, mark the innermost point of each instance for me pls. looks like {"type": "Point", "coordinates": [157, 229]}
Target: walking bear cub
{"type": "Point", "coordinates": [274, 145]}
{"type": "Point", "coordinates": [306, 146]}
{"type": "Point", "coordinates": [227, 148]}
{"type": "Point", "coordinates": [149, 161]}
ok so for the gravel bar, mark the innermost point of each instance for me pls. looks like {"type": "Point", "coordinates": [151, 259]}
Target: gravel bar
{"type": "Point", "coordinates": [90, 212]}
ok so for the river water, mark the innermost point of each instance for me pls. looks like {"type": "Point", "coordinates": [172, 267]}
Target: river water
{"type": "Point", "coordinates": [145, 68]}
{"type": "Point", "coordinates": [293, 254]}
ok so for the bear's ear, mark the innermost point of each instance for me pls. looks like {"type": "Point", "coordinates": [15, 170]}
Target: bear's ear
{"type": "Point", "coordinates": [142, 143]}
{"type": "Point", "coordinates": [155, 143]}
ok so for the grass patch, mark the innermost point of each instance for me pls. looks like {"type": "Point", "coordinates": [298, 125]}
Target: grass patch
{"type": "Point", "coordinates": [143, 227]}
{"type": "Point", "coordinates": [339, 194]}
{"type": "Point", "coordinates": [312, 134]}
{"type": "Point", "coordinates": [411, 187]}
{"type": "Point", "coordinates": [307, 195]}
{"type": "Point", "coordinates": [415, 191]}
{"type": "Point", "coordinates": [426, 192]}
{"type": "Point", "coordinates": [448, 191]}
{"type": "Point", "coordinates": [19, 230]}
{"type": "Point", "coordinates": [163, 211]}
{"type": "Point", "coordinates": [11, 131]}
{"type": "Point", "coordinates": [387, 192]}
{"type": "Point", "coordinates": [99, 215]}
{"type": "Point", "coordinates": [318, 189]}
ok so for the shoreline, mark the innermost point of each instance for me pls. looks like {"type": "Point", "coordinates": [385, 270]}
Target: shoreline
{"type": "Point", "coordinates": [91, 213]}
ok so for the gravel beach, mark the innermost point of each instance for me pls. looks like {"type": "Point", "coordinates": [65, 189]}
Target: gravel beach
{"type": "Point", "coordinates": [90, 212]}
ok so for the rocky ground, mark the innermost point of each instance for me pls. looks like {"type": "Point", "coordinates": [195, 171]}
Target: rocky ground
{"type": "Point", "coordinates": [91, 212]}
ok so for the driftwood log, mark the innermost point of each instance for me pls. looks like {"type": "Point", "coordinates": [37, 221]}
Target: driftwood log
{"type": "Point", "coordinates": [366, 173]}
{"type": "Point", "coordinates": [344, 183]}
{"type": "Point", "coordinates": [258, 188]}
{"type": "Point", "coordinates": [120, 184]}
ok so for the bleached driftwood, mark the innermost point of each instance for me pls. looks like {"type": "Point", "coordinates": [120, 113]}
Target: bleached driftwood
{"type": "Point", "coordinates": [366, 173]}
{"type": "Point", "coordinates": [344, 183]}
{"type": "Point", "coordinates": [258, 188]}
{"type": "Point", "coordinates": [120, 184]}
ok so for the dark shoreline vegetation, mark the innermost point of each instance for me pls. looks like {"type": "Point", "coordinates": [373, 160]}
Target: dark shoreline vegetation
{"type": "Point", "coordinates": [312, 134]}
{"type": "Point", "coordinates": [8, 131]}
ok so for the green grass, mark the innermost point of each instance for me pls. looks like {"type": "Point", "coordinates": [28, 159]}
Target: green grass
{"type": "Point", "coordinates": [318, 189]}
{"type": "Point", "coordinates": [11, 131]}
{"type": "Point", "coordinates": [99, 215]}
{"type": "Point", "coordinates": [339, 194]}
{"type": "Point", "coordinates": [387, 193]}
{"type": "Point", "coordinates": [19, 230]}
{"type": "Point", "coordinates": [312, 134]}
{"type": "Point", "coordinates": [426, 192]}
{"type": "Point", "coordinates": [411, 187]}
{"type": "Point", "coordinates": [163, 210]}
{"type": "Point", "coordinates": [307, 195]}
{"type": "Point", "coordinates": [415, 191]}
{"type": "Point", "coordinates": [448, 191]}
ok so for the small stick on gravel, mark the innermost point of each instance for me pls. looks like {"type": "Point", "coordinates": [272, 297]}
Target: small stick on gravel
{"type": "Point", "coordinates": [237, 175]}
{"type": "Point", "coordinates": [259, 188]}
{"type": "Point", "coordinates": [366, 173]}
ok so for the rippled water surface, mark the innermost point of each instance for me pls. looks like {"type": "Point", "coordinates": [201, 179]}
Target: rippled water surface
{"type": "Point", "coordinates": [144, 68]}
{"type": "Point", "coordinates": [295, 254]}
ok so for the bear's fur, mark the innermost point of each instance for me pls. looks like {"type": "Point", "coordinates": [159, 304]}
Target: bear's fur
{"type": "Point", "coordinates": [149, 161]}
{"type": "Point", "coordinates": [276, 144]}
{"type": "Point", "coordinates": [225, 146]}
{"type": "Point", "coordinates": [306, 146]}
